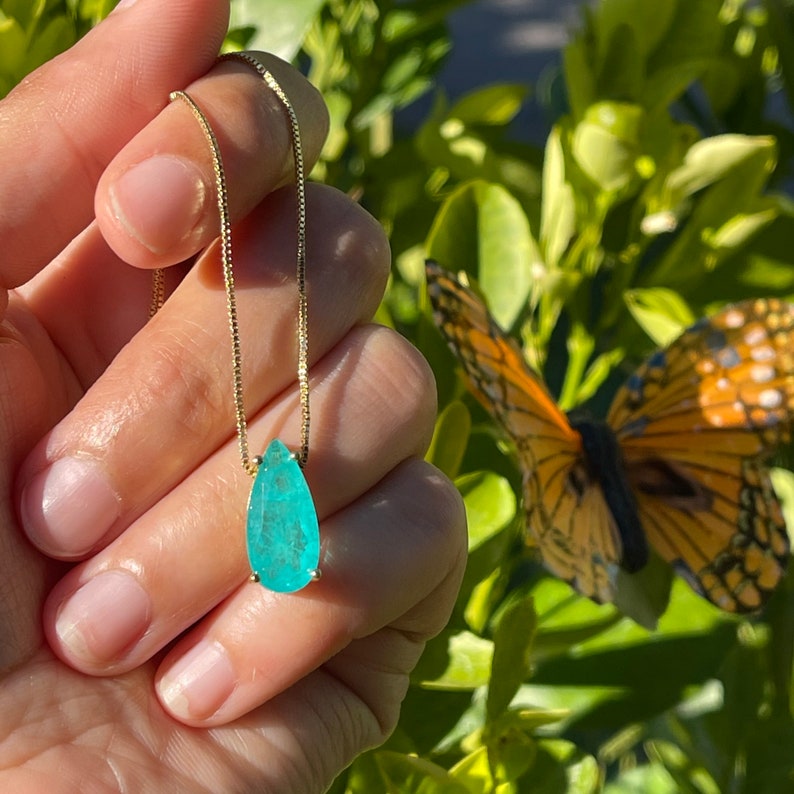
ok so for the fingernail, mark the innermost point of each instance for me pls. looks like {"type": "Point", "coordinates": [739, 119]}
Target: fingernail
{"type": "Point", "coordinates": [199, 683]}
{"type": "Point", "coordinates": [159, 201]}
{"type": "Point", "coordinates": [105, 617]}
{"type": "Point", "coordinates": [68, 507]}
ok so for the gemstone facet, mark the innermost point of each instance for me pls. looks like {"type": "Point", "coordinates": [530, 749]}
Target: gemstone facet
{"type": "Point", "coordinates": [283, 536]}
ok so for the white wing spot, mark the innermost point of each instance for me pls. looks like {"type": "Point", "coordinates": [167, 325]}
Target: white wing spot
{"type": "Point", "coordinates": [734, 318]}
{"type": "Point", "coordinates": [770, 398]}
{"type": "Point", "coordinates": [754, 336]}
{"type": "Point", "coordinates": [762, 353]}
{"type": "Point", "coordinates": [762, 373]}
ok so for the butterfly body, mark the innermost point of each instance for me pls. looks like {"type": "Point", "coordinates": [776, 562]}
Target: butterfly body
{"type": "Point", "coordinates": [679, 463]}
{"type": "Point", "coordinates": [605, 465]}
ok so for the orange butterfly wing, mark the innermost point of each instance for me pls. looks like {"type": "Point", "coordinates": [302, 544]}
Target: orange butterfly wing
{"type": "Point", "coordinates": [696, 423]}
{"type": "Point", "coordinates": [572, 527]}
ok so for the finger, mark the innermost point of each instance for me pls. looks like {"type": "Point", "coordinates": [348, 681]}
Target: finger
{"type": "Point", "coordinates": [166, 403]}
{"type": "Point", "coordinates": [291, 732]}
{"type": "Point", "coordinates": [66, 122]}
{"type": "Point", "coordinates": [397, 552]}
{"type": "Point", "coordinates": [156, 202]}
{"type": "Point", "coordinates": [90, 304]}
{"type": "Point", "coordinates": [188, 552]}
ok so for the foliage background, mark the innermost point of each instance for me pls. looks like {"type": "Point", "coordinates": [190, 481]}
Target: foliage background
{"type": "Point", "coordinates": [663, 191]}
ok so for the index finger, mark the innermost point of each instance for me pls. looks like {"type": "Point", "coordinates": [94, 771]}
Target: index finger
{"type": "Point", "coordinates": [64, 123]}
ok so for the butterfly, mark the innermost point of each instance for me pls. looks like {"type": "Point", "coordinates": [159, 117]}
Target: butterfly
{"type": "Point", "coordinates": [678, 464]}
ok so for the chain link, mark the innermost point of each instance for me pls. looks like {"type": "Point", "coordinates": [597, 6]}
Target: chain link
{"type": "Point", "coordinates": [251, 464]}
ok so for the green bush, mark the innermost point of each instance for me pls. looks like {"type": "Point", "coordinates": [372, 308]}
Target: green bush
{"type": "Point", "coordinates": [660, 195]}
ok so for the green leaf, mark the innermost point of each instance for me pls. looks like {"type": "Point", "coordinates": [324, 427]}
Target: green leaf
{"type": "Point", "coordinates": [743, 226]}
{"type": "Point", "coordinates": [280, 27]}
{"type": "Point", "coordinates": [780, 28]}
{"type": "Point", "coordinates": [693, 34]}
{"type": "Point", "coordinates": [645, 595]}
{"type": "Point", "coordinates": [710, 160]}
{"type": "Point", "coordinates": [645, 779]}
{"type": "Point", "coordinates": [408, 774]}
{"type": "Point", "coordinates": [558, 210]}
{"type": "Point", "coordinates": [620, 672]}
{"type": "Point", "coordinates": [580, 345]}
{"type": "Point", "coordinates": [694, 253]}
{"type": "Point", "coordinates": [662, 313]}
{"type": "Point", "coordinates": [511, 751]}
{"type": "Point", "coordinates": [606, 144]}
{"type": "Point", "coordinates": [94, 10]}
{"type": "Point", "coordinates": [450, 439]}
{"type": "Point", "coordinates": [769, 763]}
{"type": "Point", "coordinates": [506, 253]}
{"type": "Point", "coordinates": [483, 230]}
{"type": "Point", "coordinates": [649, 22]}
{"type": "Point", "coordinates": [683, 770]}
{"type": "Point", "coordinates": [57, 36]}
{"type": "Point", "coordinates": [491, 512]}
{"type": "Point", "coordinates": [486, 595]}
{"type": "Point", "coordinates": [783, 482]}
{"type": "Point", "coordinates": [474, 771]}
{"type": "Point", "coordinates": [453, 240]}
{"type": "Point", "coordinates": [492, 105]}
{"type": "Point", "coordinates": [434, 718]}
{"type": "Point", "coordinates": [580, 76]}
{"type": "Point", "coordinates": [561, 767]}
{"type": "Point", "coordinates": [468, 664]}
{"type": "Point", "coordinates": [621, 68]}
{"type": "Point", "coordinates": [13, 43]}
{"type": "Point", "coordinates": [490, 505]}
{"type": "Point", "coordinates": [462, 148]}
{"type": "Point", "coordinates": [668, 83]}
{"type": "Point", "coordinates": [26, 12]}
{"type": "Point", "coordinates": [513, 638]}
{"type": "Point", "coordinates": [597, 372]}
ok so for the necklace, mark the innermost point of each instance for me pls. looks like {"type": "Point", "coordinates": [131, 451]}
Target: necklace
{"type": "Point", "coordinates": [282, 531]}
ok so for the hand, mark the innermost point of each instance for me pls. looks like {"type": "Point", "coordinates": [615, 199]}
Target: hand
{"type": "Point", "coordinates": [157, 666]}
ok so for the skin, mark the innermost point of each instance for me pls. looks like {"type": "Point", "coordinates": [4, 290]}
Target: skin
{"type": "Point", "coordinates": [157, 499]}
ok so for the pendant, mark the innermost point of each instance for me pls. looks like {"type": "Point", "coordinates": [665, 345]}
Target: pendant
{"type": "Point", "coordinates": [282, 535]}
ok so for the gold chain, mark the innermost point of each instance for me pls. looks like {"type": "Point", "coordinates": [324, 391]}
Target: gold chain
{"type": "Point", "coordinates": [158, 291]}
{"type": "Point", "coordinates": [300, 195]}
{"type": "Point", "coordinates": [251, 464]}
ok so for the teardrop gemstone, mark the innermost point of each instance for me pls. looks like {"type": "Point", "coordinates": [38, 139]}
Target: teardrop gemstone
{"type": "Point", "coordinates": [282, 534]}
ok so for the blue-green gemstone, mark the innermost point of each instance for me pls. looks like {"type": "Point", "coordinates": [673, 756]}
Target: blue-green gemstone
{"type": "Point", "coordinates": [282, 535]}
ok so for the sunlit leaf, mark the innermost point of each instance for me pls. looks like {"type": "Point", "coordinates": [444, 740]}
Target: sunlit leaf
{"type": "Point", "coordinates": [606, 146]}
{"type": "Point", "coordinates": [483, 230]}
{"type": "Point", "coordinates": [469, 663]}
{"type": "Point", "coordinates": [474, 771]}
{"type": "Point", "coordinates": [661, 313]}
{"type": "Point", "coordinates": [280, 27]}
{"type": "Point", "coordinates": [711, 159]}
{"type": "Point", "coordinates": [513, 638]}
{"type": "Point", "coordinates": [497, 104]}
{"type": "Point", "coordinates": [563, 768]}
{"type": "Point", "coordinates": [408, 774]}
{"type": "Point", "coordinates": [450, 438]}
{"type": "Point", "coordinates": [490, 505]}
{"type": "Point", "coordinates": [558, 210]}
{"type": "Point", "coordinates": [645, 779]}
